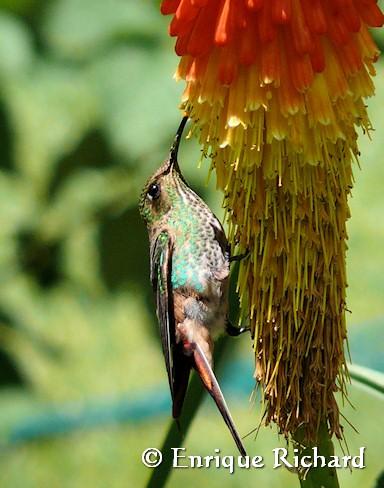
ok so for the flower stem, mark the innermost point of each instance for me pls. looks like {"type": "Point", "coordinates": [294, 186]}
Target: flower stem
{"type": "Point", "coordinates": [317, 477]}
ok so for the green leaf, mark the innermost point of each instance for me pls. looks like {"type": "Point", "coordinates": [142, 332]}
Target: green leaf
{"type": "Point", "coordinates": [138, 97]}
{"type": "Point", "coordinates": [50, 110]}
{"type": "Point", "coordinates": [16, 52]}
{"type": "Point", "coordinates": [79, 29]}
{"type": "Point", "coordinates": [367, 378]}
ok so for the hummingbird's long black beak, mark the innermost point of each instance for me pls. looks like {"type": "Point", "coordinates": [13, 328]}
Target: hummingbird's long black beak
{"type": "Point", "coordinates": [176, 143]}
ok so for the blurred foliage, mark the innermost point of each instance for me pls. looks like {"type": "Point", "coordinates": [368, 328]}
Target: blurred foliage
{"type": "Point", "coordinates": [79, 131]}
{"type": "Point", "coordinates": [87, 111]}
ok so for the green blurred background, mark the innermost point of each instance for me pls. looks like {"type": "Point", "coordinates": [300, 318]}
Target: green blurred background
{"type": "Point", "coordinates": [88, 108]}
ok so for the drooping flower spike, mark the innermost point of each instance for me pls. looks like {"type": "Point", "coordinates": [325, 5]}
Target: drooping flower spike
{"type": "Point", "coordinates": [276, 91]}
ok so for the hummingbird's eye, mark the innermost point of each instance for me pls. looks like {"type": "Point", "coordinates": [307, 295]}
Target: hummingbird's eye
{"type": "Point", "coordinates": [153, 191]}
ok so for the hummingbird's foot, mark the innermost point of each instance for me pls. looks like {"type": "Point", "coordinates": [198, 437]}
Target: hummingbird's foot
{"type": "Point", "coordinates": [235, 331]}
{"type": "Point", "coordinates": [239, 257]}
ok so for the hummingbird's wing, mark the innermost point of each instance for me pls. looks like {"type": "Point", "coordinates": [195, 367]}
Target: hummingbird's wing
{"type": "Point", "coordinates": [161, 257]}
{"type": "Point", "coordinates": [202, 366]}
{"type": "Point", "coordinates": [178, 365]}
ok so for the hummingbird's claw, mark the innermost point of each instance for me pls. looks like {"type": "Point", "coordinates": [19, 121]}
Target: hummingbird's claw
{"type": "Point", "coordinates": [235, 331]}
{"type": "Point", "coordinates": [239, 257]}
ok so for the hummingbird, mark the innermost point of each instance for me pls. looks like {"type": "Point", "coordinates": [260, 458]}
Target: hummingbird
{"type": "Point", "coordinates": [190, 264]}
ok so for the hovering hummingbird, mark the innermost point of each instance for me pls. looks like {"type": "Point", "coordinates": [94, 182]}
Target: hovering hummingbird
{"type": "Point", "coordinates": [190, 261]}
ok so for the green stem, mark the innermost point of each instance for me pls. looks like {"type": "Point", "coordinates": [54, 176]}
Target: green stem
{"type": "Point", "coordinates": [318, 477]}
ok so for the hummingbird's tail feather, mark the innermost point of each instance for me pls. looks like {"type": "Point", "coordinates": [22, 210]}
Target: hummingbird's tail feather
{"type": "Point", "coordinates": [180, 381]}
{"type": "Point", "coordinates": [210, 382]}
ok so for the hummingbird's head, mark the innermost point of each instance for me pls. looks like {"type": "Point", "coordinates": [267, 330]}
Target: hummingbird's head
{"type": "Point", "coordinates": [159, 193]}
